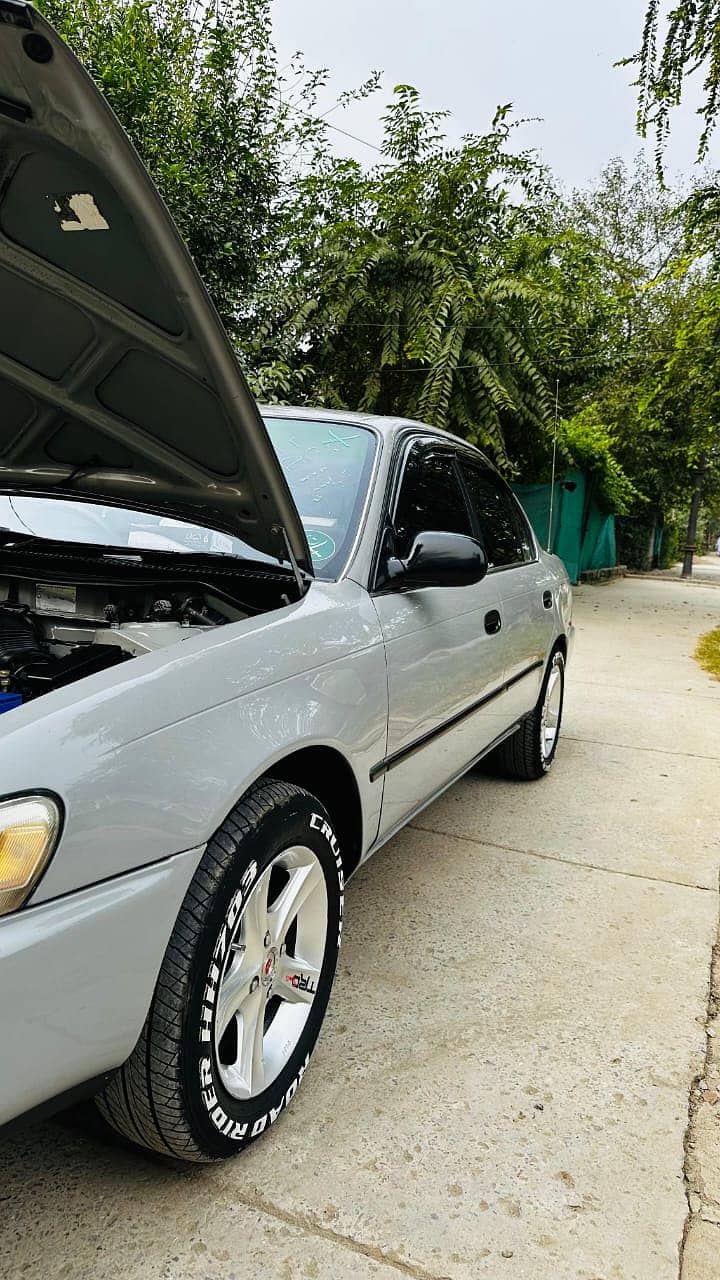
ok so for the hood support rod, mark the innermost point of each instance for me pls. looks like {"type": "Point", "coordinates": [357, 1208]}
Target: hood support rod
{"type": "Point", "coordinates": [302, 579]}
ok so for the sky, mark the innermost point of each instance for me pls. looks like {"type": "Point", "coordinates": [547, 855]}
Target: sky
{"type": "Point", "coordinates": [552, 59]}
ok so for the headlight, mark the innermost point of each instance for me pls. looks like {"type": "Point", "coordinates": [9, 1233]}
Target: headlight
{"type": "Point", "coordinates": [29, 828]}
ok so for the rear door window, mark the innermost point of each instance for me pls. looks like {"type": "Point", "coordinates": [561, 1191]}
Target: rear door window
{"type": "Point", "coordinates": [503, 531]}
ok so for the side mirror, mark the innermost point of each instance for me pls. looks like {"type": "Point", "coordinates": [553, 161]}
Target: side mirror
{"type": "Point", "coordinates": [439, 560]}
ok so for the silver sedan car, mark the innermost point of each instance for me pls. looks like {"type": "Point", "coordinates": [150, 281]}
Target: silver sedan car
{"type": "Point", "coordinates": [239, 649]}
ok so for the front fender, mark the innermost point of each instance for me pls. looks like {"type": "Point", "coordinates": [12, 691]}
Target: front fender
{"type": "Point", "coordinates": [149, 764]}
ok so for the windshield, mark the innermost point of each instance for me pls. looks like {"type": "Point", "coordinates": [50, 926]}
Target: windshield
{"type": "Point", "coordinates": [327, 467]}
{"type": "Point", "coordinates": [66, 521]}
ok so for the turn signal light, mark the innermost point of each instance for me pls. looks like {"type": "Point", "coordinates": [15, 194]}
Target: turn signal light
{"type": "Point", "coordinates": [29, 828]}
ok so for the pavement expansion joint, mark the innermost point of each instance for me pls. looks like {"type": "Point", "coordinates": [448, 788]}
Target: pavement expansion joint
{"type": "Point", "coordinates": [633, 688]}
{"type": "Point", "coordinates": [627, 746]}
{"type": "Point", "coordinates": [566, 862]}
{"type": "Point", "coordinates": [309, 1225]}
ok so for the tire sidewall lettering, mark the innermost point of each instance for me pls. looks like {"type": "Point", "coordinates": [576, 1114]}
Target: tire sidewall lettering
{"type": "Point", "coordinates": [321, 824]}
{"type": "Point", "coordinates": [236, 1130]}
{"type": "Point", "coordinates": [228, 1127]}
{"type": "Point", "coordinates": [234, 910]}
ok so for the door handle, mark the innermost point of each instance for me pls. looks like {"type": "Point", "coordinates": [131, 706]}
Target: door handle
{"type": "Point", "coordinates": [493, 622]}
{"type": "Point", "coordinates": [547, 599]}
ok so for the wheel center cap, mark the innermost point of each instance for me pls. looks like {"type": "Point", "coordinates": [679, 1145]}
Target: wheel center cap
{"type": "Point", "coordinates": [268, 969]}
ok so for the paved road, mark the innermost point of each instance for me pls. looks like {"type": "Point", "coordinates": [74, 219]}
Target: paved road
{"type": "Point", "coordinates": [705, 569]}
{"type": "Point", "coordinates": [502, 1087]}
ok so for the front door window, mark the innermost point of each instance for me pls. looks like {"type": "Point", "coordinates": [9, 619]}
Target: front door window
{"type": "Point", "coordinates": [430, 498]}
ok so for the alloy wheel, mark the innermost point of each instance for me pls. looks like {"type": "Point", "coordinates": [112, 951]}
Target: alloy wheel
{"type": "Point", "coordinates": [272, 972]}
{"type": "Point", "coordinates": [551, 709]}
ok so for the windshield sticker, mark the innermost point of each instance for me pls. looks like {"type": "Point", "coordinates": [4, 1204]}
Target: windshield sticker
{"type": "Point", "coordinates": [79, 212]}
{"type": "Point", "coordinates": [322, 546]}
{"type": "Point", "coordinates": [334, 437]}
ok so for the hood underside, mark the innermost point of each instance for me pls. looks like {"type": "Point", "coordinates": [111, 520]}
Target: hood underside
{"type": "Point", "coordinates": [118, 383]}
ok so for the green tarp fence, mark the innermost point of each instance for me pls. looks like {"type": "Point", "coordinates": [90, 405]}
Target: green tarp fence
{"type": "Point", "coordinates": [583, 535]}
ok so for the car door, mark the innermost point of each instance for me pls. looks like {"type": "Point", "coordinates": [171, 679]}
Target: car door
{"type": "Point", "coordinates": [443, 646]}
{"type": "Point", "coordinates": [523, 582]}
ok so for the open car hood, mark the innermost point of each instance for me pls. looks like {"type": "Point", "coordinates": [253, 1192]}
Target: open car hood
{"type": "Point", "coordinates": [118, 382]}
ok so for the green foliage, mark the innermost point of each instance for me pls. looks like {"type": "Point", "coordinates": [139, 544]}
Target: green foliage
{"type": "Point", "coordinates": [677, 41]}
{"type": "Point", "coordinates": [678, 402]}
{"type": "Point", "coordinates": [454, 284]}
{"type": "Point", "coordinates": [633, 542]}
{"type": "Point", "coordinates": [670, 550]}
{"type": "Point", "coordinates": [590, 445]}
{"type": "Point", "coordinates": [638, 536]}
{"type": "Point", "coordinates": [417, 306]}
{"type": "Point", "coordinates": [194, 84]}
{"type": "Point", "coordinates": [688, 384]}
{"type": "Point", "coordinates": [612, 248]}
{"type": "Point", "coordinates": [636, 345]}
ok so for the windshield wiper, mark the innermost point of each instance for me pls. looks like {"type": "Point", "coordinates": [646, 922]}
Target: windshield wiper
{"type": "Point", "coordinates": [23, 538]}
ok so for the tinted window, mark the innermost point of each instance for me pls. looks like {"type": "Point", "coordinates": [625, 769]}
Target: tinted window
{"type": "Point", "coordinates": [430, 498]}
{"type": "Point", "coordinates": [503, 531]}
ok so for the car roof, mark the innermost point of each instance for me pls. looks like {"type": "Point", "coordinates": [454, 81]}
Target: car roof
{"type": "Point", "coordinates": [388, 427]}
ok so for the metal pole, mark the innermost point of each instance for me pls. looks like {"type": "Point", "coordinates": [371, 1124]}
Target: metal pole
{"type": "Point", "coordinates": [554, 460]}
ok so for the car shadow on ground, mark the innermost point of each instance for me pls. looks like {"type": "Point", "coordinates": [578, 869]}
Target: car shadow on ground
{"type": "Point", "coordinates": [66, 1182]}
{"type": "Point", "coordinates": [79, 1139]}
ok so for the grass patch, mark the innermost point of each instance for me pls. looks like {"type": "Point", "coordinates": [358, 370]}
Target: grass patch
{"type": "Point", "coordinates": [707, 652]}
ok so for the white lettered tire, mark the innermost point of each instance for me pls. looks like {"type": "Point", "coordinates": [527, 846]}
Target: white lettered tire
{"type": "Point", "coordinates": [237, 1011]}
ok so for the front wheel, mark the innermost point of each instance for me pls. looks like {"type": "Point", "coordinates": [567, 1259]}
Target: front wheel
{"type": "Point", "coordinates": [528, 754]}
{"type": "Point", "coordinates": [244, 985]}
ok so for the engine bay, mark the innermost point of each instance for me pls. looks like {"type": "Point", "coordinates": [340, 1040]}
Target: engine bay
{"type": "Point", "coordinates": [54, 633]}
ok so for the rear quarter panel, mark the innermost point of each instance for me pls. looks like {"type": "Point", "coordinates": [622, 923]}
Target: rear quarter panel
{"type": "Point", "coordinates": [531, 630]}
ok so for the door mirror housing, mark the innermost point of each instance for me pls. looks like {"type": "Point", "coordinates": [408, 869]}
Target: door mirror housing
{"type": "Point", "coordinates": [438, 560]}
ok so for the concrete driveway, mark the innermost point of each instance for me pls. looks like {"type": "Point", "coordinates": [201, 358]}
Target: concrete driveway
{"type": "Point", "coordinates": [502, 1087]}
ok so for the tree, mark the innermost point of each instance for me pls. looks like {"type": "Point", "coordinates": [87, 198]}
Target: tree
{"type": "Point", "coordinates": [683, 398]}
{"type": "Point", "coordinates": [413, 304]}
{"type": "Point", "coordinates": [450, 283]}
{"type": "Point", "coordinates": [607, 262]}
{"type": "Point", "coordinates": [689, 43]}
{"type": "Point", "coordinates": [635, 347]}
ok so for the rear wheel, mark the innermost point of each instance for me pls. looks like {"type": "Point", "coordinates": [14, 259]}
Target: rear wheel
{"type": "Point", "coordinates": [244, 985]}
{"type": "Point", "coordinates": [528, 754]}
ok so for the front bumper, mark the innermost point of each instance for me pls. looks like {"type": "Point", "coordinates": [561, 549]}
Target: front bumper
{"type": "Point", "coordinates": [76, 980]}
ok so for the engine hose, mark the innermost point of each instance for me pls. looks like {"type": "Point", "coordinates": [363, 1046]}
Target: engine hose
{"type": "Point", "coordinates": [18, 641]}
